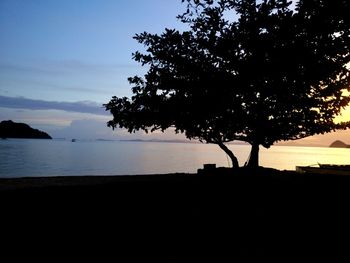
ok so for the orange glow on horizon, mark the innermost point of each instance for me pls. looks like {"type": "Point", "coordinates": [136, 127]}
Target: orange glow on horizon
{"type": "Point", "coordinates": [345, 113]}
{"type": "Point", "coordinates": [344, 116]}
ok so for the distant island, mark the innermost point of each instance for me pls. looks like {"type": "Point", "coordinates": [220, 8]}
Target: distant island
{"type": "Point", "coordinates": [10, 129]}
{"type": "Point", "coordinates": [339, 144]}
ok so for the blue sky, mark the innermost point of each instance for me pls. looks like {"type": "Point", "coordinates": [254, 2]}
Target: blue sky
{"type": "Point", "coordinates": [61, 60]}
{"type": "Point", "coordinates": [73, 50]}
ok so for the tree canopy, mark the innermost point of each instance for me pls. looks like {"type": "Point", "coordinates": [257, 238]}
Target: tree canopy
{"type": "Point", "coordinates": [248, 70]}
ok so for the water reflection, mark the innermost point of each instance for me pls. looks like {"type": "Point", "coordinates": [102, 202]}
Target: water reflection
{"type": "Point", "coordinates": [20, 158]}
{"type": "Point", "coordinates": [287, 157]}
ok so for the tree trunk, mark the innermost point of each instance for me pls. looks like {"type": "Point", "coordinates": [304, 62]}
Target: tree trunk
{"type": "Point", "coordinates": [253, 161]}
{"type": "Point", "coordinates": [233, 158]}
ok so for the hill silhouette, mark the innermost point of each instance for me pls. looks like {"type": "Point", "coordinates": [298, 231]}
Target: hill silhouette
{"type": "Point", "coordinates": [10, 129]}
{"type": "Point", "coordinates": [339, 144]}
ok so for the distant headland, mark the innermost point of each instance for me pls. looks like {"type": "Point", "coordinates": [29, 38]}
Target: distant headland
{"type": "Point", "coordinates": [10, 129]}
{"type": "Point", "coordinates": [339, 144]}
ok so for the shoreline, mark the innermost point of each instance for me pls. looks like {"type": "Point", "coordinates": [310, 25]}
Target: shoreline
{"type": "Point", "coordinates": [216, 174]}
{"type": "Point", "coordinates": [80, 180]}
{"type": "Point", "coordinates": [216, 217]}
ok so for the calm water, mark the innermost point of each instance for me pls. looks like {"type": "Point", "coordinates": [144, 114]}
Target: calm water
{"type": "Point", "coordinates": [20, 158]}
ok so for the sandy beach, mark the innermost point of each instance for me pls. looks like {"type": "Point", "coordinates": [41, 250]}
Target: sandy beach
{"type": "Point", "coordinates": [251, 215]}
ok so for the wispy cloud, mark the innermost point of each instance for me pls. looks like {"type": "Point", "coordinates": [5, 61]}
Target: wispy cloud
{"type": "Point", "coordinates": [30, 104]}
{"type": "Point", "coordinates": [66, 67]}
{"type": "Point", "coordinates": [39, 83]}
{"type": "Point", "coordinates": [66, 79]}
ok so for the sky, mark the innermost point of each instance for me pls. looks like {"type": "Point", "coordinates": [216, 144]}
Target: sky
{"type": "Point", "coordinates": [61, 60]}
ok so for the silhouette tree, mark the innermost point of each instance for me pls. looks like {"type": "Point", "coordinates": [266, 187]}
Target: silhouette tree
{"type": "Point", "coordinates": [254, 71]}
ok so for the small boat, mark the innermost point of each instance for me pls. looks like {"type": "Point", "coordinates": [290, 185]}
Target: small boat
{"type": "Point", "coordinates": [329, 169]}
{"type": "Point", "coordinates": [74, 140]}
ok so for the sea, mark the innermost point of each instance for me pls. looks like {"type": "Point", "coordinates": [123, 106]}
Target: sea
{"type": "Point", "coordinates": [34, 158]}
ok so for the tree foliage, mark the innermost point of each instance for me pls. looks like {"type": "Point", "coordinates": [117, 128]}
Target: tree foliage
{"type": "Point", "coordinates": [254, 71]}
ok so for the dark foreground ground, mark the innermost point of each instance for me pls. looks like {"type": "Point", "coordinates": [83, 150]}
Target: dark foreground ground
{"type": "Point", "coordinates": [219, 217]}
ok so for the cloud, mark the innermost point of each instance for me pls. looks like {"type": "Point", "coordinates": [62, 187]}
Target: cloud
{"type": "Point", "coordinates": [86, 129]}
{"type": "Point", "coordinates": [97, 129]}
{"type": "Point", "coordinates": [48, 84]}
{"type": "Point", "coordinates": [31, 104]}
{"type": "Point", "coordinates": [54, 67]}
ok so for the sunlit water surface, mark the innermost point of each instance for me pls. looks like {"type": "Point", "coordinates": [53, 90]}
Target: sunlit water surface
{"type": "Point", "coordinates": [20, 158]}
